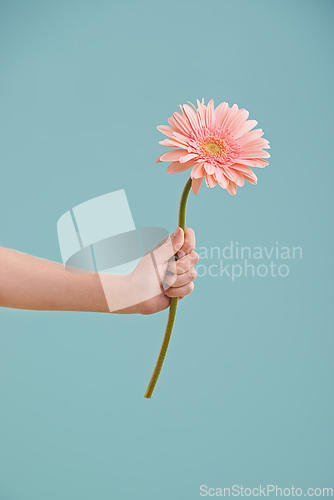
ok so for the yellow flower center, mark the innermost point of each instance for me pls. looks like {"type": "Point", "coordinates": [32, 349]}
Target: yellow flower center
{"type": "Point", "coordinates": [213, 148]}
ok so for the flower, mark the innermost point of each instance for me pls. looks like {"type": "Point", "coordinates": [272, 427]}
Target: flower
{"type": "Point", "coordinates": [218, 144]}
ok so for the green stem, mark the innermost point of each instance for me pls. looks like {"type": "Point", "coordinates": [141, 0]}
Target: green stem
{"type": "Point", "coordinates": [173, 302]}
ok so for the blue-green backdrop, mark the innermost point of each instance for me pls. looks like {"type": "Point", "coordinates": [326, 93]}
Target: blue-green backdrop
{"type": "Point", "coordinates": [246, 393]}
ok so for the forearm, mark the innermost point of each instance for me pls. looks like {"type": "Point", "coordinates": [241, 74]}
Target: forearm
{"type": "Point", "coordinates": [28, 282]}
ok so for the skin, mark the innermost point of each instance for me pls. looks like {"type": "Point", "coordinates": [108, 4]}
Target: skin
{"type": "Point", "coordinates": [28, 282]}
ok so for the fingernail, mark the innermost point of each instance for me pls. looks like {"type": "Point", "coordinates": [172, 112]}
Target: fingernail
{"type": "Point", "coordinates": [181, 254]}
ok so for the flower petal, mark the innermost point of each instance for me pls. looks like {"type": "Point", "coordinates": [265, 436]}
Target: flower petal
{"type": "Point", "coordinates": [246, 172]}
{"type": "Point", "coordinates": [230, 174]}
{"type": "Point", "coordinates": [250, 179]}
{"type": "Point", "coordinates": [196, 184]}
{"type": "Point", "coordinates": [188, 157]}
{"type": "Point", "coordinates": [222, 180]}
{"type": "Point", "coordinates": [173, 142]}
{"type": "Point", "coordinates": [218, 175]}
{"type": "Point", "coordinates": [173, 155]}
{"type": "Point", "coordinates": [172, 123]}
{"type": "Point", "coordinates": [232, 112]}
{"type": "Point", "coordinates": [255, 163]}
{"type": "Point", "coordinates": [238, 121]}
{"type": "Point", "coordinates": [257, 144]}
{"type": "Point", "coordinates": [176, 166]}
{"type": "Point", "coordinates": [182, 123]}
{"type": "Point", "coordinates": [210, 180]}
{"type": "Point", "coordinates": [250, 136]}
{"type": "Point", "coordinates": [243, 169]}
{"type": "Point", "coordinates": [191, 116]}
{"type": "Point", "coordinates": [245, 128]}
{"type": "Point", "coordinates": [198, 170]}
{"type": "Point", "coordinates": [209, 115]}
{"type": "Point", "coordinates": [220, 113]}
{"type": "Point", "coordinates": [201, 114]}
{"type": "Point", "coordinates": [254, 154]}
{"type": "Point", "coordinates": [209, 168]}
{"type": "Point", "coordinates": [181, 138]}
{"type": "Point", "coordinates": [165, 129]}
{"type": "Point", "coordinates": [241, 181]}
{"type": "Point", "coordinates": [232, 188]}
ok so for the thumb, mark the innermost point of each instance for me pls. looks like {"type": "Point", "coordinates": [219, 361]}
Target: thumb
{"type": "Point", "coordinates": [169, 247]}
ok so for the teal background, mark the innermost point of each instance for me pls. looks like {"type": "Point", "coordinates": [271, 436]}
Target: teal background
{"type": "Point", "coordinates": [246, 393]}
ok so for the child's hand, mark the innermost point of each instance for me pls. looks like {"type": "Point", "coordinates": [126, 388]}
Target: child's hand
{"type": "Point", "coordinates": [166, 277]}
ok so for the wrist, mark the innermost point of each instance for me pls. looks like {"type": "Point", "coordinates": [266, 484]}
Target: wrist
{"type": "Point", "coordinates": [120, 293]}
{"type": "Point", "coordinates": [133, 293]}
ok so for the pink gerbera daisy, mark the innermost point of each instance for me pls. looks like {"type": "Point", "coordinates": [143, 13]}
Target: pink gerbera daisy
{"type": "Point", "coordinates": [218, 144]}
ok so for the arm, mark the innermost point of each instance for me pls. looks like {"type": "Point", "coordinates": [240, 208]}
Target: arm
{"type": "Point", "coordinates": [28, 282]}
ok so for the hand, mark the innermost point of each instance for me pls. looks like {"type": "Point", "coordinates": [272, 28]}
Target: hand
{"type": "Point", "coordinates": [166, 277]}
